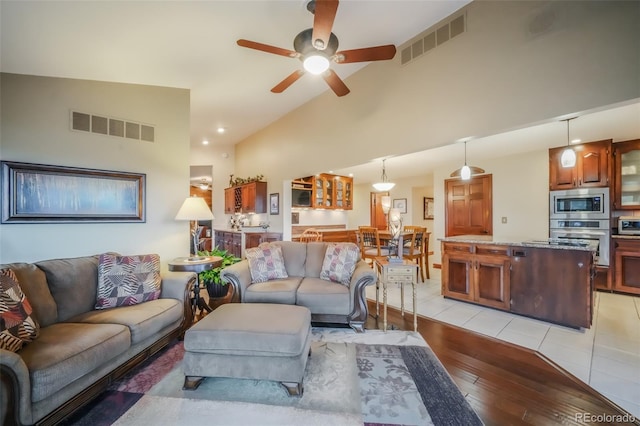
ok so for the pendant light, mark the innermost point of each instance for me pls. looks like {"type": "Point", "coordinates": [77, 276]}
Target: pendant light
{"type": "Point", "coordinates": [465, 172]}
{"type": "Point", "coordinates": [384, 185]}
{"type": "Point", "coordinates": [568, 158]}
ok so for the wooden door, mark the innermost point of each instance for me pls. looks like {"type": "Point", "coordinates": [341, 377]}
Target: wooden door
{"type": "Point", "coordinates": [378, 218]}
{"type": "Point", "coordinates": [468, 210]}
{"type": "Point", "coordinates": [627, 266]}
{"type": "Point", "coordinates": [491, 280]}
{"type": "Point", "coordinates": [457, 276]}
{"type": "Point", "coordinates": [560, 177]}
{"type": "Point", "coordinates": [230, 200]}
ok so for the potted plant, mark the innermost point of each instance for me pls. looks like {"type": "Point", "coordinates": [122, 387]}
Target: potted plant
{"type": "Point", "coordinates": [211, 277]}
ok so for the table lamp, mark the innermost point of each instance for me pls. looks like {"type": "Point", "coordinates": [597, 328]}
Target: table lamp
{"type": "Point", "coordinates": [195, 209]}
{"type": "Point", "coordinates": [395, 227]}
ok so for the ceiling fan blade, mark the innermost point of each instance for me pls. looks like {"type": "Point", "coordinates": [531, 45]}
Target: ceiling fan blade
{"type": "Point", "coordinates": [267, 48]}
{"type": "Point", "coordinates": [324, 15]}
{"type": "Point", "coordinates": [336, 84]}
{"type": "Point", "coordinates": [291, 78]}
{"type": "Point", "coordinates": [376, 53]}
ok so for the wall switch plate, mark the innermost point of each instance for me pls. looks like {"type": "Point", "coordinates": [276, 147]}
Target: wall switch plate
{"type": "Point", "coordinates": [504, 219]}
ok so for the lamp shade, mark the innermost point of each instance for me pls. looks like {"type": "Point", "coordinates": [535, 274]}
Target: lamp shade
{"type": "Point", "coordinates": [194, 208]}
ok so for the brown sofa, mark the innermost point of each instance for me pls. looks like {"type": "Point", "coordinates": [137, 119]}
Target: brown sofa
{"type": "Point", "coordinates": [329, 302]}
{"type": "Point", "coordinates": [79, 350]}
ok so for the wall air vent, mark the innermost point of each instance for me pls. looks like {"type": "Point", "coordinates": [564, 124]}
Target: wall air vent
{"type": "Point", "coordinates": [434, 36]}
{"type": "Point", "coordinates": [116, 127]}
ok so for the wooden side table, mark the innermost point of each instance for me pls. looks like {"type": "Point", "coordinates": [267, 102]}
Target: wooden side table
{"type": "Point", "coordinates": [398, 273]}
{"type": "Point", "coordinates": [198, 265]}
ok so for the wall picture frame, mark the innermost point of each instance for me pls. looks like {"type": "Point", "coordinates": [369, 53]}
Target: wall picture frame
{"type": "Point", "coordinates": [274, 203]}
{"type": "Point", "coordinates": [400, 204]}
{"type": "Point", "coordinates": [59, 194]}
{"type": "Point", "coordinates": [428, 208]}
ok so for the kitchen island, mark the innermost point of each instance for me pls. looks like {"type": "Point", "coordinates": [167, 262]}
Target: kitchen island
{"type": "Point", "coordinates": [551, 280]}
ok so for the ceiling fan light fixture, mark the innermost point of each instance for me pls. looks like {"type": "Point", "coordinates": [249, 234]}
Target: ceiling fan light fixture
{"type": "Point", "coordinates": [384, 184]}
{"type": "Point", "coordinates": [316, 64]}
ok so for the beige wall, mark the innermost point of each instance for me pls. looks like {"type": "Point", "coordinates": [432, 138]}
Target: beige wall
{"type": "Point", "coordinates": [35, 129]}
{"type": "Point", "coordinates": [495, 77]}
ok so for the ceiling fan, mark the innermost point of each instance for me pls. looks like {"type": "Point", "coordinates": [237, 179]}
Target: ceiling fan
{"type": "Point", "coordinates": [316, 47]}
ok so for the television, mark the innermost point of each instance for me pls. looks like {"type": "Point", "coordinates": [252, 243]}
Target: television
{"type": "Point", "coordinates": [300, 197]}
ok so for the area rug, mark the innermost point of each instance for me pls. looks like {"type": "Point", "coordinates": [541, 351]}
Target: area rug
{"type": "Point", "coordinates": [374, 378]}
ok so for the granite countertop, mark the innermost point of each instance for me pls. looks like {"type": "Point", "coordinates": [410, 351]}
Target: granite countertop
{"type": "Point", "coordinates": [586, 245]}
{"type": "Point", "coordinates": [243, 230]}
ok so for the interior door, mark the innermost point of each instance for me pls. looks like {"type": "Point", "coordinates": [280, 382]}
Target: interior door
{"type": "Point", "coordinates": [378, 218]}
{"type": "Point", "coordinates": [468, 210]}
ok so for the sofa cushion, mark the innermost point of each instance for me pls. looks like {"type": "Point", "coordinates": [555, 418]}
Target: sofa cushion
{"type": "Point", "coordinates": [64, 352]}
{"type": "Point", "coordinates": [127, 280]}
{"type": "Point", "coordinates": [17, 326]}
{"type": "Point", "coordinates": [339, 262]}
{"type": "Point", "coordinates": [295, 256]}
{"type": "Point", "coordinates": [274, 291]}
{"type": "Point", "coordinates": [143, 320]}
{"type": "Point", "coordinates": [73, 283]}
{"type": "Point", "coordinates": [33, 283]}
{"type": "Point", "coordinates": [266, 263]}
{"type": "Point", "coordinates": [315, 259]}
{"type": "Point", "coordinates": [323, 297]}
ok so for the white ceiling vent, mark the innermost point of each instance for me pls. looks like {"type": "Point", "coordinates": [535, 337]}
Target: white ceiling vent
{"type": "Point", "coordinates": [434, 36]}
{"type": "Point", "coordinates": [85, 122]}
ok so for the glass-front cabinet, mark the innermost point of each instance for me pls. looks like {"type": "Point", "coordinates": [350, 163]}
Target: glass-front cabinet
{"type": "Point", "coordinates": [330, 191]}
{"type": "Point", "coordinates": [627, 175]}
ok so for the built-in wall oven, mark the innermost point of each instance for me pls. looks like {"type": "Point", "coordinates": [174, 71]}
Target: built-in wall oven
{"type": "Point", "coordinates": [582, 215]}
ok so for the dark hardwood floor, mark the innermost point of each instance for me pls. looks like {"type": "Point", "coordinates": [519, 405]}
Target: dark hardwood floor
{"type": "Point", "coordinates": [507, 384]}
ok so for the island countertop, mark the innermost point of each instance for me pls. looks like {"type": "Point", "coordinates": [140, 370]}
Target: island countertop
{"type": "Point", "coordinates": [585, 245]}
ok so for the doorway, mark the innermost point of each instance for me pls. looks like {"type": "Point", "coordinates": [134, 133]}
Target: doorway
{"type": "Point", "coordinates": [469, 206]}
{"type": "Point", "coordinates": [201, 180]}
{"type": "Point", "coordinates": [378, 218]}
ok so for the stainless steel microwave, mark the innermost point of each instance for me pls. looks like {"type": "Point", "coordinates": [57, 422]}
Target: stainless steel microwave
{"type": "Point", "coordinates": [629, 225]}
{"type": "Point", "coordinates": [582, 203]}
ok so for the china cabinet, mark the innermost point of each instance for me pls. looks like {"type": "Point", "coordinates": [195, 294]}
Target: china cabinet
{"type": "Point", "coordinates": [626, 194]}
{"type": "Point", "coordinates": [248, 198]}
{"type": "Point", "coordinates": [328, 191]}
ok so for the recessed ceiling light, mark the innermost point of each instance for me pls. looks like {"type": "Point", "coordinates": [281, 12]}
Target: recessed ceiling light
{"type": "Point", "coordinates": [221, 129]}
{"type": "Point", "coordinates": [576, 140]}
{"type": "Point", "coordinates": [205, 142]}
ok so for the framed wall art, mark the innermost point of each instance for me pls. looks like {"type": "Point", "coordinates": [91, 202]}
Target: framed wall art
{"type": "Point", "coordinates": [428, 208]}
{"type": "Point", "coordinates": [400, 204]}
{"type": "Point", "coordinates": [274, 203]}
{"type": "Point", "coordinates": [54, 194]}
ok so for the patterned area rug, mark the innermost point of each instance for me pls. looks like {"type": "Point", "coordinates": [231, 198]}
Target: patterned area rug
{"type": "Point", "coordinates": [374, 378]}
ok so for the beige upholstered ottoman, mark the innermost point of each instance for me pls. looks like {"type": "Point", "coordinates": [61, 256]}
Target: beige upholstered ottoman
{"type": "Point", "coordinates": [249, 341]}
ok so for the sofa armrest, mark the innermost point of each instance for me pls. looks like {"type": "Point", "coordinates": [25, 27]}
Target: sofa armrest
{"type": "Point", "coordinates": [362, 276]}
{"type": "Point", "coordinates": [177, 284]}
{"type": "Point", "coordinates": [15, 387]}
{"type": "Point", "coordinates": [239, 276]}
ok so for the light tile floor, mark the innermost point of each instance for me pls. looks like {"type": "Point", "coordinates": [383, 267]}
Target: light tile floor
{"type": "Point", "coordinates": [606, 356]}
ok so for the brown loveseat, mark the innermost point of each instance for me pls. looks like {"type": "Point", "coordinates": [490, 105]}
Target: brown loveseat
{"type": "Point", "coordinates": [79, 350]}
{"type": "Point", "coordinates": [329, 302]}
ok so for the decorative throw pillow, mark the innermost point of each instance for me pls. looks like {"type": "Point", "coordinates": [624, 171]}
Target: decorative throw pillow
{"type": "Point", "coordinates": [17, 326]}
{"type": "Point", "coordinates": [127, 280]}
{"type": "Point", "coordinates": [266, 263]}
{"type": "Point", "coordinates": [339, 262]}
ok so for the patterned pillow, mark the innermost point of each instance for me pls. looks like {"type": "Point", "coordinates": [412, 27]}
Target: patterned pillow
{"type": "Point", "coordinates": [266, 263]}
{"type": "Point", "coordinates": [17, 326]}
{"type": "Point", "coordinates": [127, 280]}
{"type": "Point", "coordinates": [339, 262]}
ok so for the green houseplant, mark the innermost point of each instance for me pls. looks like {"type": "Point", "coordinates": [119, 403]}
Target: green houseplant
{"type": "Point", "coordinates": [215, 286]}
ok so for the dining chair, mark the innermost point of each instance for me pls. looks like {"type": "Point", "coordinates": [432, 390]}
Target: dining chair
{"type": "Point", "coordinates": [310, 235]}
{"type": "Point", "coordinates": [369, 242]}
{"type": "Point", "coordinates": [415, 250]}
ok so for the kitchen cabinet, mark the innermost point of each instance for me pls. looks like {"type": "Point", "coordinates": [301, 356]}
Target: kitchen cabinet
{"type": "Point", "coordinates": [592, 169]}
{"type": "Point", "coordinates": [254, 239]}
{"type": "Point", "coordinates": [626, 159]}
{"type": "Point", "coordinates": [626, 258]}
{"type": "Point", "coordinates": [229, 241]}
{"type": "Point", "coordinates": [553, 285]}
{"type": "Point", "coordinates": [248, 198]}
{"type": "Point", "coordinates": [550, 283]}
{"type": "Point", "coordinates": [328, 191]}
{"type": "Point", "coordinates": [476, 273]}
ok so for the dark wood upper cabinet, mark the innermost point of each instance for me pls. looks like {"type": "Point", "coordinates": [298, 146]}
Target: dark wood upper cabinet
{"type": "Point", "coordinates": [248, 198]}
{"type": "Point", "coordinates": [468, 210]}
{"type": "Point", "coordinates": [592, 169]}
{"type": "Point", "coordinates": [626, 159]}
